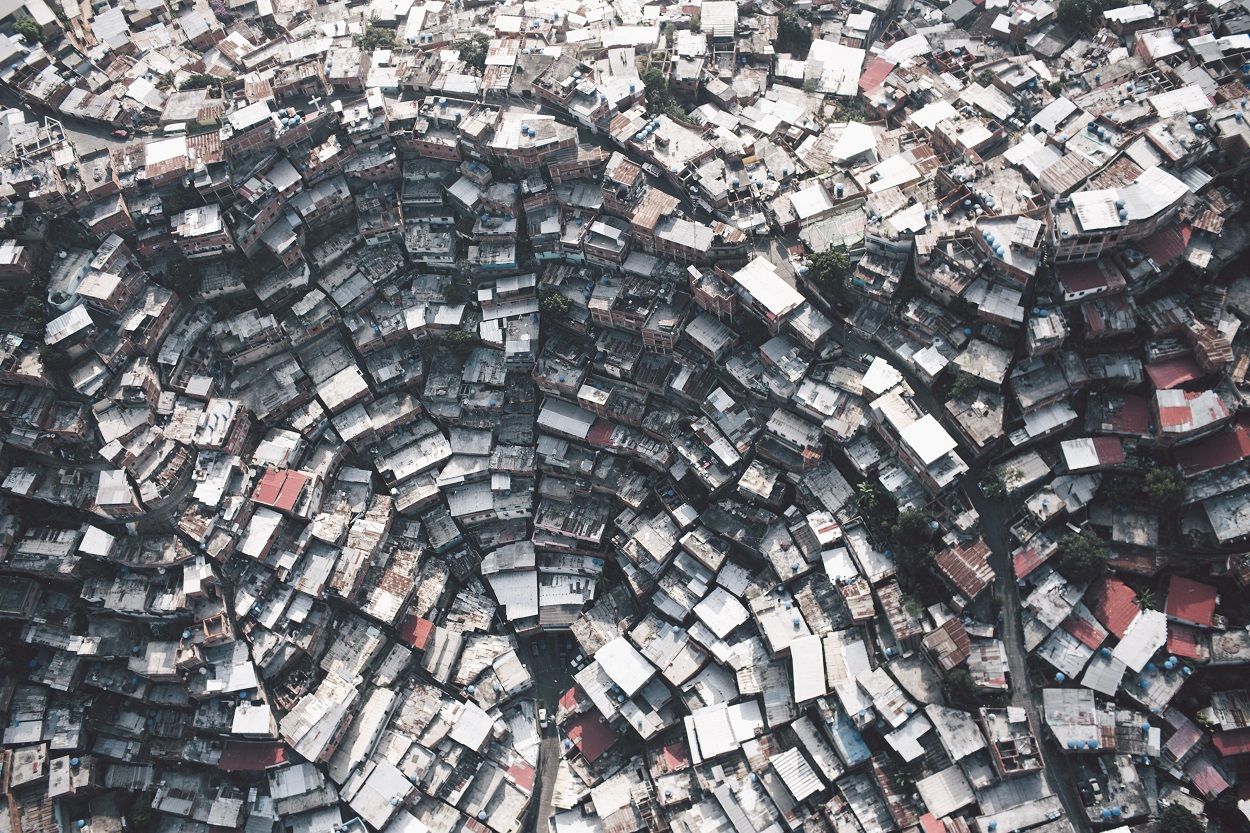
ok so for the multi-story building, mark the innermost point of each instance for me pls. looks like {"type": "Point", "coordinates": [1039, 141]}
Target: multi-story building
{"type": "Point", "coordinates": [257, 207]}
{"type": "Point", "coordinates": [200, 233]}
{"type": "Point", "coordinates": [247, 129]}
{"type": "Point", "coordinates": [1092, 223]}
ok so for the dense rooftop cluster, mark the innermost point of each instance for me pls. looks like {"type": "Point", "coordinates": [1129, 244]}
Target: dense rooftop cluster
{"type": "Point", "coordinates": [602, 417]}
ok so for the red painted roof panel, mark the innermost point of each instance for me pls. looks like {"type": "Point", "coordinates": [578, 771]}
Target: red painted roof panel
{"type": "Point", "coordinates": [1191, 601]}
{"type": "Point", "coordinates": [1114, 604]}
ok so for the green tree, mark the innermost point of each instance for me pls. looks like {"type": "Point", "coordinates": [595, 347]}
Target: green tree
{"type": "Point", "coordinates": [54, 360]}
{"type": "Point", "coordinates": [660, 98]}
{"type": "Point", "coordinates": [963, 386]}
{"type": "Point", "coordinates": [794, 34]}
{"type": "Point", "coordinates": [869, 495]}
{"type": "Point", "coordinates": [913, 527]}
{"type": "Point", "coordinates": [1225, 810]}
{"type": "Point", "coordinates": [903, 779]}
{"type": "Point", "coordinates": [1012, 477]}
{"type": "Point", "coordinates": [985, 78]}
{"type": "Point", "coordinates": [34, 309]}
{"type": "Point", "coordinates": [1083, 557]}
{"type": "Point", "coordinates": [29, 29]}
{"type": "Point", "coordinates": [376, 36]}
{"type": "Point", "coordinates": [1178, 819]}
{"type": "Point", "coordinates": [460, 342]}
{"type": "Point", "coordinates": [182, 277]}
{"type": "Point", "coordinates": [959, 688]}
{"type": "Point", "coordinates": [555, 304]}
{"type": "Point", "coordinates": [1125, 487]}
{"type": "Point", "coordinates": [829, 269]}
{"type": "Point", "coordinates": [1163, 488]}
{"type": "Point", "coordinates": [655, 83]}
{"type": "Point", "coordinates": [472, 50]}
{"type": "Point", "coordinates": [1083, 16]}
{"type": "Point", "coordinates": [1147, 600]}
{"type": "Point", "coordinates": [457, 292]}
{"type": "Point", "coordinates": [139, 816]}
{"type": "Point", "coordinates": [204, 81]}
{"type": "Point", "coordinates": [910, 536]}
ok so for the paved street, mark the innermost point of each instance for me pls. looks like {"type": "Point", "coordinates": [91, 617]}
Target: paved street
{"type": "Point", "coordinates": [548, 763]}
{"type": "Point", "coordinates": [996, 516]}
{"type": "Point", "coordinates": [995, 519]}
{"type": "Point", "coordinates": [548, 656]}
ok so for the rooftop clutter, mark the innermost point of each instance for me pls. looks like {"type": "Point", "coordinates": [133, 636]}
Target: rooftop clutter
{"type": "Point", "coordinates": [588, 417]}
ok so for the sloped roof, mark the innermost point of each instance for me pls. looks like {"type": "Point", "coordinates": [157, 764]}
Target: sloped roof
{"type": "Point", "coordinates": [1191, 601]}
{"type": "Point", "coordinates": [1114, 605]}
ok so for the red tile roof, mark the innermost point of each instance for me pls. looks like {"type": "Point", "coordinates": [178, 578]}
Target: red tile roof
{"type": "Point", "coordinates": [1218, 450]}
{"type": "Point", "coordinates": [1082, 277]}
{"type": "Point", "coordinates": [1235, 742]}
{"type": "Point", "coordinates": [1170, 416]}
{"type": "Point", "coordinates": [569, 699]}
{"type": "Point", "coordinates": [967, 568]}
{"type": "Point", "coordinates": [929, 824]}
{"type": "Point", "coordinates": [875, 73]}
{"type": "Point", "coordinates": [1168, 245]}
{"type": "Point", "coordinates": [590, 735]}
{"type": "Point", "coordinates": [1185, 641]}
{"type": "Point", "coordinates": [1186, 735]}
{"type": "Point", "coordinates": [950, 644]}
{"type": "Point", "coordinates": [1130, 414]}
{"type": "Point", "coordinates": [416, 631]}
{"type": "Point", "coordinates": [1084, 630]}
{"type": "Point", "coordinates": [1114, 604]}
{"type": "Point", "coordinates": [522, 775]}
{"type": "Point", "coordinates": [280, 488]}
{"type": "Point", "coordinates": [1191, 601]}
{"type": "Point", "coordinates": [600, 433]}
{"type": "Point", "coordinates": [1173, 372]}
{"type": "Point", "coordinates": [1027, 559]}
{"type": "Point", "coordinates": [1209, 780]}
{"type": "Point", "coordinates": [1110, 451]}
{"type": "Point", "coordinates": [676, 756]}
{"type": "Point", "coordinates": [244, 756]}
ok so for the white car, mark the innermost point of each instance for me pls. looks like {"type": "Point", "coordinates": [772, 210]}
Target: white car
{"type": "Point", "coordinates": [542, 718]}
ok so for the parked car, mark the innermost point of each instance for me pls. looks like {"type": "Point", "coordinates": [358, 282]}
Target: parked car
{"type": "Point", "coordinates": [121, 134]}
{"type": "Point", "coordinates": [542, 718]}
